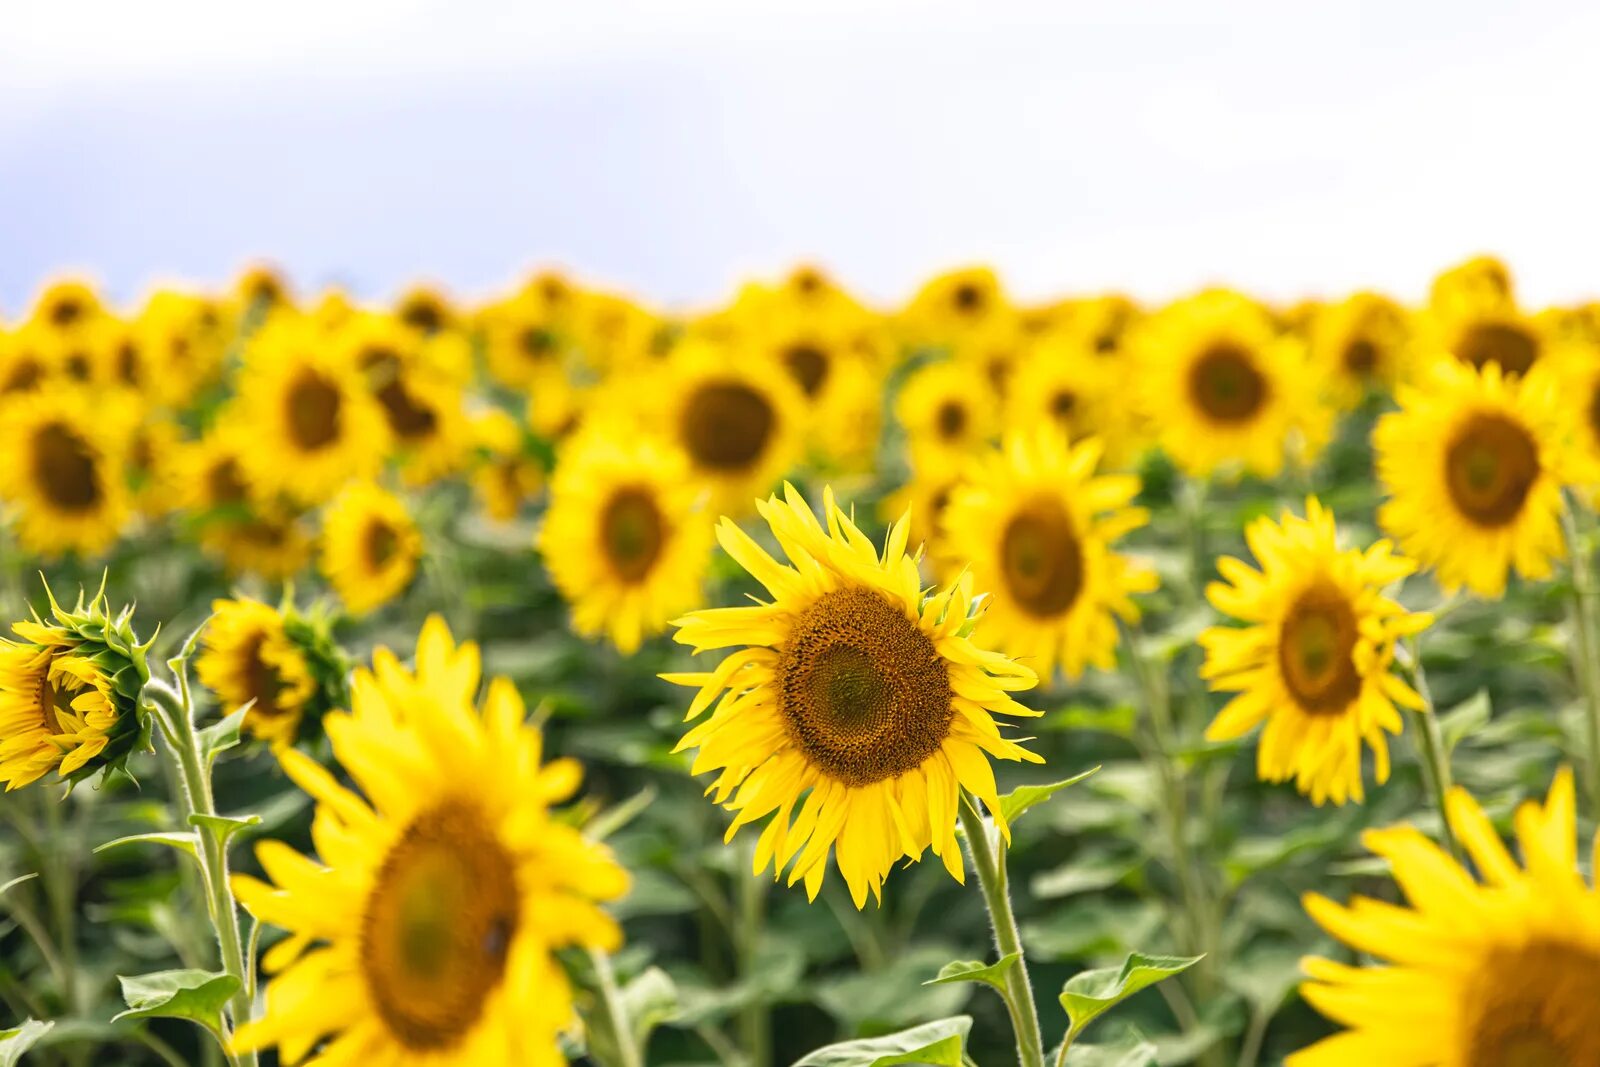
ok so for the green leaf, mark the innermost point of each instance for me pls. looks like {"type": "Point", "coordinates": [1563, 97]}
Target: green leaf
{"type": "Point", "coordinates": [1090, 872]}
{"type": "Point", "coordinates": [1091, 994]}
{"type": "Point", "coordinates": [18, 880]}
{"type": "Point", "coordinates": [649, 1000]}
{"type": "Point", "coordinates": [1024, 797]}
{"type": "Point", "coordinates": [183, 842]}
{"type": "Point", "coordinates": [224, 826]}
{"type": "Point", "coordinates": [977, 971]}
{"type": "Point", "coordinates": [938, 1043]}
{"type": "Point", "coordinates": [182, 994]}
{"type": "Point", "coordinates": [16, 1041]}
{"type": "Point", "coordinates": [1118, 720]}
{"type": "Point", "coordinates": [221, 736]}
{"type": "Point", "coordinates": [1465, 719]}
{"type": "Point", "coordinates": [1129, 1050]}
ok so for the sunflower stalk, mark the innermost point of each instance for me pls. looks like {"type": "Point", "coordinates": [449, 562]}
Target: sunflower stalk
{"type": "Point", "coordinates": [1587, 665]}
{"type": "Point", "coordinates": [1431, 751]}
{"type": "Point", "coordinates": [989, 857]}
{"type": "Point", "coordinates": [174, 710]}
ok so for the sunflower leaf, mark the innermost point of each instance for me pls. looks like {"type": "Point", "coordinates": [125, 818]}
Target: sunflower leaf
{"type": "Point", "coordinates": [221, 735]}
{"type": "Point", "coordinates": [19, 1039]}
{"type": "Point", "coordinates": [1130, 1049]}
{"type": "Point", "coordinates": [183, 842]}
{"type": "Point", "coordinates": [650, 999]}
{"type": "Point", "coordinates": [939, 1043]}
{"type": "Point", "coordinates": [993, 974]}
{"type": "Point", "coordinates": [1089, 995]}
{"type": "Point", "coordinates": [181, 994]}
{"type": "Point", "coordinates": [1465, 719]}
{"type": "Point", "coordinates": [1024, 797]}
{"type": "Point", "coordinates": [224, 826]}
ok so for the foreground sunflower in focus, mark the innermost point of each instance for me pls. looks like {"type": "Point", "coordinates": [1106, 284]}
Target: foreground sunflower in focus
{"type": "Point", "coordinates": [854, 708]}
{"type": "Point", "coordinates": [424, 932]}
{"type": "Point", "coordinates": [1497, 970]}
{"type": "Point", "coordinates": [1314, 660]}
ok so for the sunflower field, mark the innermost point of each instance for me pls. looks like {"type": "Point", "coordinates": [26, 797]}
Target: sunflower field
{"type": "Point", "coordinates": [557, 679]}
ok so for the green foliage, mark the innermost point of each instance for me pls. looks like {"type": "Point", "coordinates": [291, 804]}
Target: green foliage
{"type": "Point", "coordinates": [937, 1043]}
{"type": "Point", "coordinates": [1091, 994]}
{"type": "Point", "coordinates": [195, 995]}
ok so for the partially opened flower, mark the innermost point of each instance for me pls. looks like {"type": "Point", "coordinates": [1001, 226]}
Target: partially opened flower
{"type": "Point", "coordinates": [1491, 967]}
{"type": "Point", "coordinates": [854, 707]}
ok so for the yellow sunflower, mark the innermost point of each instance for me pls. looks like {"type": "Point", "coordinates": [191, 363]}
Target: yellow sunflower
{"type": "Point", "coordinates": [1036, 525]}
{"type": "Point", "coordinates": [313, 424]}
{"type": "Point", "coordinates": [625, 538]}
{"type": "Point", "coordinates": [424, 932]}
{"type": "Point", "coordinates": [1315, 656]}
{"type": "Point", "coordinates": [613, 332]}
{"type": "Point", "coordinates": [183, 339]}
{"type": "Point", "coordinates": [232, 521]}
{"type": "Point", "coordinates": [1480, 334]}
{"type": "Point", "coordinates": [526, 338]}
{"type": "Point", "coordinates": [948, 411]}
{"type": "Point", "coordinates": [24, 363]}
{"type": "Point", "coordinates": [1360, 343]}
{"type": "Point", "coordinates": [247, 658]}
{"type": "Point", "coordinates": [1223, 390]}
{"type": "Point", "coordinates": [422, 402]}
{"type": "Point", "coordinates": [66, 477]}
{"type": "Point", "coordinates": [1482, 281]}
{"type": "Point", "coordinates": [262, 289]}
{"type": "Point", "coordinates": [152, 451]}
{"type": "Point", "coordinates": [953, 306]}
{"type": "Point", "coordinates": [923, 500]}
{"type": "Point", "coordinates": [58, 709]}
{"type": "Point", "coordinates": [370, 547]}
{"type": "Point", "coordinates": [842, 390]}
{"type": "Point", "coordinates": [1495, 967]}
{"type": "Point", "coordinates": [67, 305]}
{"type": "Point", "coordinates": [854, 708]}
{"type": "Point", "coordinates": [505, 475]}
{"type": "Point", "coordinates": [425, 309]}
{"type": "Point", "coordinates": [1063, 383]}
{"type": "Point", "coordinates": [1473, 466]}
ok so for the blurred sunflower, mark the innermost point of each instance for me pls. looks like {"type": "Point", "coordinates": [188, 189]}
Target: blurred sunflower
{"type": "Point", "coordinates": [843, 393]}
{"type": "Point", "coordinates": [370, 547]}
{"type": "Point", "coordinates": [922, 500]}
{"type": "Point", "coordinates": [1473, 466]}
{"type": "Point", "coordinates": [67, 305]}
{"type": "Point", "coordinates": [23, 363]}
{"type": "Point", "coordinates": [312, 422]}
{"type": "Point", "coordinates": [947, 410]}
{"type": "Point", "coordinates": [1222, 389]}
{"type": "Point", "coordinates": [505, 475]}
{"type": "Point", "coordinates": [1493, 966]}
{"type": "Point", "coordinates": [251, 535]}
{"type": "Point", "coordinates": [425, 309]}
{"type": "Point", "coordinates": [625, 538]}
{"type": "Point", "coordinates": [182, 340]}
{"type": "Point", "coordinates": [525, 337]}
{"type": "Point", "coordinates": [152, 451]}
{"type": "Point", "coordinates": [1481, 335]}
{"type": "Point", "coordinates": [247, 658]}
{"type": "Point", "coordinates": [66, 476]}
{"type": "Point", "coordinates": [423, 934]}
{"type": "Point", "coordinates": [852, 697]}
{"type": "Point", "coordinates": [613, 332]}
{"type": "Point", "coordinates": [955, 305]}
{"type": "Point", "coordinates": [1482, 281]}
{"type": "Point", "coordinates": [423, 406]}
{"type": "Point", "coordinates": [1036, 524]}
{"type": "Point", "coordinates": [1360, 343]}
{"type": "Point", "coordinates": [261, 290]}
{"type": "Point", "coordinates": [1063, 384]}
{"type": "Point", "coordinates": [1314, 660]}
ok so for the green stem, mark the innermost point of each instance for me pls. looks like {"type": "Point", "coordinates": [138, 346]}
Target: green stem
{"type": "Point", "coordinates": [755, 1021]}
{"type": "Point", "coordinates": [1587, 666]}
{"type": "Point", "coordinates": [175, 710]}
{"type": "Point", "coordinates": [612, 1014]}
{"type": "Point", "coordinates": [989, 857]}
{"type": "Point", "coordinates": [1430, 746]}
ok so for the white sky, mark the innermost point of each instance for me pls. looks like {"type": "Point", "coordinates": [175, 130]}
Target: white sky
{"type": "Point", "coordinates": [672, 147]}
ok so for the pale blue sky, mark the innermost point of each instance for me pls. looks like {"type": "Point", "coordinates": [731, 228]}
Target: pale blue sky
{"type": "Point", "coordinates": [672, 148]}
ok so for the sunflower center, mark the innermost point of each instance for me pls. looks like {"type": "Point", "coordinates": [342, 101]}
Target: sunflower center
{"type": "Point", "coordinates": [1361, 357]}
{"type": "Point", "coordinates": [968, 298]}
{"type": "Point", "coordinates": [1226, 385]}
{"type": "Point", "coordinates": [633, 532]}
{"type": "Point", "coordinates": [224, 483]}
{"type": "Point", "coordinates": [66, 312]}
{"type": "Point", "coordinates": [951, 419]}
{"type": "Point", "coordinates": [380, 544]}
{"type": "Point", "coordinates": [1316, 651]}
{"type": "Point", "coordinates": [25, 374]}
{"type": "Point", "coordinates": [77, 365]}
{"type": "Point", "coordinates": [423, 315]}
{"type": "Point", "coordinates": [262, 683]}
{"type": "Point", "coordinates": [313, 408]}
{"type": "Point", "coordinates": [1105, 343]}
{"type": "Point", "coordinates": [409, 420]}
{"type": "Point", "coordinates": [438, 926]}
{"type": "Point", "coordinates": [1490, 467]}
{"type": "Point", "coordinates": [1531, 1007]}
{"type": "Point", "coordinates": [726, 426]}
{"type": "Point", "coordinates": [130, 367]}
{"type": "Point", "coordinates": [64, 468]}
{"type": "Point", "coordinates": [1511, 346]}
{"type": "Point", "coordinates": [808, 365]}
{"type": "Point", "coordinates": [862, 690]}
{"type": "Point", "coordinates": [536, 343]}
{"type": "Point", "coordinates": [1041, 559]}
{"type": "Point", "coordinates": [1063, 403]}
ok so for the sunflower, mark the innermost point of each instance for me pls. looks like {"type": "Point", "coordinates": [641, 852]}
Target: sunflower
{"type": "Point", "coordinates": [1036, 525]}
{"type": "Point", "coordinates": [923, 500]}
{"type": "Point", "coordinates": [313, 424]}
{"type": "Point", "coordinates": [624, 538]}
{"type": "Point", "coordinates": [852, 697]}
{"type": "Point", "coordinates": [66, 476]}
{"type": "Point", "coordinates": [1360, 343]}
{"type": "Point", "coordinates": [152, 454]}
{"type": "Point", "coordinates": [1063, 383]}
{"type": "Point", "coordinates": [1482, 281]}
{"type": "Point", "coordinates": [955, 305]}
{"type": "Point", "coordinates": [183, 339]}
{"type": "Point", "coordinates": [421, 401]}
{"type": "Point", "coordinates": [1495, 968]}
{"type": "Point", "coordinates": [1473, 466]}
{"type": "Point", "coordinates": [740, 421]}
{"type": "Point", "coordinates": [227, 512]}
{"type": "Point", "coordinates": [613, 332]}
{"type": "Point", "coordinates": [67, 305]}
{"type": "Point", "coordinates": [526, 338]}
{"type": "Point", "coordinates": [1315, 656]}
{"type": "Point", "coordinates": [262, 289]}
{"type": "Point", "coordinates": [424, 932]}
{"type": "Point", "coordinates": [425, 309]}
{"type": "Point", "coordinates": [1223, 389]}
{"type": "Point", "coordinates": [370, 547]}
{"type": "Point", "coordinates": [842, 390]}
{"type": "Point", "coordinates": [505, 473]}
{"type": "Point", "coordinates": [947, 410]}
{"type": "Point", "coordinates": [248, 658]}
{"type": "Point", "coordinates": [24, 365]}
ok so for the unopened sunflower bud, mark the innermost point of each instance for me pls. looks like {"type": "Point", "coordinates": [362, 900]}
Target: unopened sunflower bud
{"type": "Point", "coordinates": [69, 694]}
{"type": "Point", "coordinates": [281, 661]}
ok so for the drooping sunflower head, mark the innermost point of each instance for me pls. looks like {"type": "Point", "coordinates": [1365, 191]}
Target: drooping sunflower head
{"type": "Point", "coordinates": [1314, 658]}
{"type": "Point", "coordinates": [1223, 390]}
{"type": "Point", "coordinates": [370, 547]}
{"type": "Point", "coordinates": [314, 424]}
{"type": "Point", "coordinates": [954, 305]}
{"type": "Point", "coordinates": [948, 410]}
{"type": "Point", "coordinates": [852, 699]}
{"type": "Point", "coordinates": [626, 538]}
{"type": "Point", "coordinates": [1361, 343]}
{"type": "Point", "coordinates": [69, 694]}
{"type": "Point", "coordinates": [424, 932]}
{"type": "Point", "coordinates": [67, 305]}
{"type": "Point", "coordinates": [280, 661]}
{"type": "Point", "coordinates": [1492, 966]}
{"type": "Point", "coordinates": [1473, 464]}
{"type": "Point", "coordinates": [1037, 525]}
{"type": "Point", "coordinates": [66, 476]}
